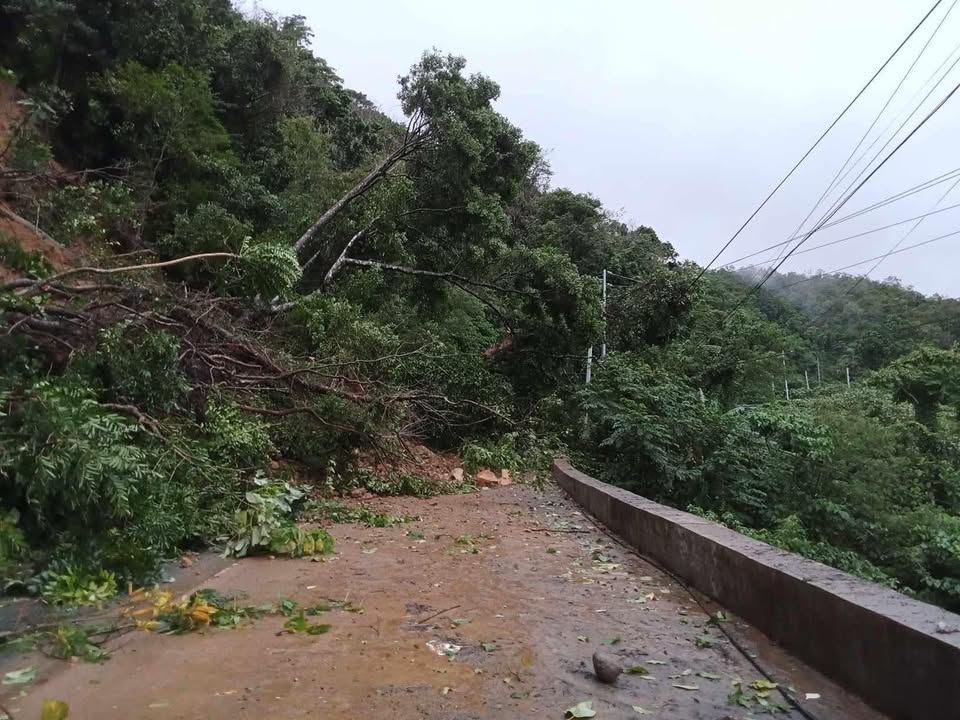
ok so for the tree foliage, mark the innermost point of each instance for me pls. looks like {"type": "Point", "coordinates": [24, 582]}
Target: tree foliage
{"type": "Point", "coordinates": [272, 267]}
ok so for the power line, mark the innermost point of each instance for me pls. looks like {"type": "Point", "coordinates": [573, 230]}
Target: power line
{"type": "Point", "coordinates": [834, 182]}
{"type": "Point", "coordinates": [869, 260]}
{"type": "Point", "coordinates": [862, 234]}
{"type": "Point", "coordinates": [846, 199]}
{"type": "Point", "coordinates": [841, 175]}
{"type": "Point", "coordinates": [814, 146]}
{"type": "Point", "coordinates": [897, 131]}
{"type": "Point", "coordinates": [892, 251]}
{"type": "Point", "coordinates": [946, 177]}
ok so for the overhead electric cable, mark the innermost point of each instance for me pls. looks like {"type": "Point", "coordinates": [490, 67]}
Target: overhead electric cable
{"type": "Point", "coordinates": [946, 177]}
{"type": "Point", "coordinates": [918, 218]}
{"type": "Point", "coordinates": [835, 182]}
{"type": "Point", "coordinates": [844, 200]}
{"type": "Point", "coordinates": [815, 144]}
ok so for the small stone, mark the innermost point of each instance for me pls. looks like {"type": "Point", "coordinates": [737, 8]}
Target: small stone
{"type": "Point", "coordinates": [186, 561]}
{"type": "Point", "coordinates": [357, 493]}
{"type": "Point", "coordinates": [606, 667]}
{"type": "Point", "coordinates": [945, 629]}
{"type": "Point", "coordinates": [505, 477]}
{"type": "Point", "coordinates": [457, 474]}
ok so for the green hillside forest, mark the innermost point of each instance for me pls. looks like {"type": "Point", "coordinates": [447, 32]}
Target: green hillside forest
{"type": "Point", "coordinates": [227, 277]}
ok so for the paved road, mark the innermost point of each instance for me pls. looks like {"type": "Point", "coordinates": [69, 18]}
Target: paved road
{"type": "Point", "coordinates": [489, 607]}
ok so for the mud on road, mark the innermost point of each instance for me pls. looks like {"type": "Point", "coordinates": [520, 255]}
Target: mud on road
{"type": "Point", "coordinates": [489, 606]}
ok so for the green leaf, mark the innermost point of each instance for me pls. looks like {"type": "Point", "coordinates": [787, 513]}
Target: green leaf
{"type": "Point", "coordinates": [489, 646]}
{"type": "Point", "coordinates": [19, 677]}
{"type": "Point", "coordinates": [704, 641]}
{"type": "Point", "coordinates": [300, 624]}
{"type": "Point", "coordinates": [636, 670]}
{"type": "Point", "coordinates": [763, 685]}
{"type": "Point", "coordinates": [709, 675]}
{"type": "Point", "coordinates": [581, 710]}
{"type": "Point", "coordinates": [612, 641]}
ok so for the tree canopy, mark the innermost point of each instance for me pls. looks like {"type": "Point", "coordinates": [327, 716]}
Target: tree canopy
{"type": "Point", "coordinates": [243, 260]}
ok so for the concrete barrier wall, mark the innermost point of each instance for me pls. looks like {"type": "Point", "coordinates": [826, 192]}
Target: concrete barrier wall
{"type": "Point", "coordinates": [876, 642]}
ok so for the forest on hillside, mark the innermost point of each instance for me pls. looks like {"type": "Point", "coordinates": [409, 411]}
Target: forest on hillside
{"type": "Point", "coordinates": [215, 256]}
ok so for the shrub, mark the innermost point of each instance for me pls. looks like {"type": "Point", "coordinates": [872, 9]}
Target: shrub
{"type": "Point", "coordinates": [269, 268]}
{"type": "Point", "coordinates": [65, 584]}
{"type": "Point", "coordinates": [29, 151]}
{"type": "Point", "coordinates": [235, 438]}
{"type": "Point", "coordinates": [207, 228]}
{"type": "Point", "coordinates": [141, 367]}
{"type": "Point", "coordinates": [97, 211]}
{"type": "Point", "coordinates": [95, 490]}
{"type": "Point", "coordinates": [77, 465]}
{"type": "Point", "coordinates": [31, 263]}
{"type": "Point", "coordinates": [266, 523]}
{"type": "Point", "coordinates": [13, 543]}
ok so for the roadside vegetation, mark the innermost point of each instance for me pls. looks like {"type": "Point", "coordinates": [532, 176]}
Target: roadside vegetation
{"type": "Point", "coordinates": [217, 257]}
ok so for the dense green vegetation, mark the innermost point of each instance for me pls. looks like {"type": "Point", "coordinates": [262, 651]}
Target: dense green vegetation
{"type": "Point", "coordinates": [303, 277]}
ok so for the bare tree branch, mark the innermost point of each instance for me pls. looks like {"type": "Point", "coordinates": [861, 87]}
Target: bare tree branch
{"type": "Point", "coordinates": [415, 139]}
{"type": "Point", "coordinates": [125, 268]}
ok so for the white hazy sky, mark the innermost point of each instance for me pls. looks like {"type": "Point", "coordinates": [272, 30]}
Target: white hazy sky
{"type": "Point", "coordinates": [684, 115]}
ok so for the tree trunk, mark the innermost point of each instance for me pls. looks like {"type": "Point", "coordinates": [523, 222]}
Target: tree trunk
{"type": "Point", "coordinates": [306, 245]}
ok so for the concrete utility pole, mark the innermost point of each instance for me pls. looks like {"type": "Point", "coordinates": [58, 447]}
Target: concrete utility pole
{"type": "Point", "coordinates": [848, 376]}
{"type": "Point", "coordinates": [603, 347]}
{"type": "Point", "coordinates": [786, 385]}
{"type": "Point", "coordinates": [806, 376]}
{"type": "Point", "coordinates": [819, 379]}
{"type": "Point", "coordinates": [589, 363]}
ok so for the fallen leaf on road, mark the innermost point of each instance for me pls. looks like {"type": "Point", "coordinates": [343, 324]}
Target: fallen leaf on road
{"type": "Point", "coordinates": [657, 662]}
{"type": "Point", "coordinates": [18, 677]}
{"type": "Point", "coordinates": [581, 710]}
{"type": "Point", "coordinates": [639, 710]}
{"type": "Point", "coordinates": [54, 710]}
{"type": "Point", "coordinates": [709, 675]}
{"type": "Point", "coordinates": [636, 670]}
{"type": "Point", "coordinates": [681, 686]}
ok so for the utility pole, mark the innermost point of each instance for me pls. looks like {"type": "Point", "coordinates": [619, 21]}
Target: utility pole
{"type": "Point", "coordinates": [806, 376]}
{"type": "Point", "coordinates": [589, 363]}
{"type": "Point", "coordinates": [786, 385]}
{"type": "Point", "coordinates": [819, 379]}
{"type": "Point", "coordinates": [848, 376]}
{"type": "Point", "coordinates": [603, 347]}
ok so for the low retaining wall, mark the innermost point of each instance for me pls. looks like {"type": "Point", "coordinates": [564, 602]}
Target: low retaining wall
{"type": "Point", "coordinates": [876, 642]}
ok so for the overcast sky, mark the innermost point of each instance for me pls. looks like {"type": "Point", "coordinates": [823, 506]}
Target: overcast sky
{"type": "Point", "coordinates": [684, 115]}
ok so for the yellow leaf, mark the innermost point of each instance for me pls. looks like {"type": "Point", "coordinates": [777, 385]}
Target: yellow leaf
{"type": "Point", "coordinates": [54, 710]}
